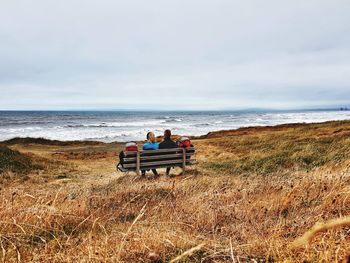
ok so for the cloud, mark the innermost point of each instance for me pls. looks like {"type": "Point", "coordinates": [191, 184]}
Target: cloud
{"type": "Point", "coordinates": [174, 55]}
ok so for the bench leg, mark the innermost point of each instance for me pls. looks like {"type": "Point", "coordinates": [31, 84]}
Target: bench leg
{"type": "Point", "coordinates": [138, 164]}
{"type": "Point", "coordinates": [183, 160]}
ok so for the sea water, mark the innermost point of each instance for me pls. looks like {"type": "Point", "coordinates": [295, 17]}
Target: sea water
{"type": "Point", "coordinates": [108, 126]}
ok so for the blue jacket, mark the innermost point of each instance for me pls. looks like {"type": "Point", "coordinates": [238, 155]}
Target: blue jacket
{"type": "Point", "coordinates": [151, 146]}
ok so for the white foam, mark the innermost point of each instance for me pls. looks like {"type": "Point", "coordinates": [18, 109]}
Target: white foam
{"type": "Point", "coordinates": [135, 128]}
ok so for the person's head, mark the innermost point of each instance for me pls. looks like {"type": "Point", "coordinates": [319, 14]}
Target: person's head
{"type": "Point", "coordinates": [151, 137]}
{"type": "Point", "coordinates": [167, 135]}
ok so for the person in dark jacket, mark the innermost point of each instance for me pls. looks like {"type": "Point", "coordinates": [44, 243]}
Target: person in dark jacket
{"type": "Point", "coordinates": [167, 143]}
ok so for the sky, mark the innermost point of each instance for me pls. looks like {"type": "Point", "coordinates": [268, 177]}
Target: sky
{"type": "Point", "coordinates": [174, 55]}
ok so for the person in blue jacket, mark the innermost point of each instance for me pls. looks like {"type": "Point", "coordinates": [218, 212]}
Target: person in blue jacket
{"type": "Point", "coordinates": [151, 144]}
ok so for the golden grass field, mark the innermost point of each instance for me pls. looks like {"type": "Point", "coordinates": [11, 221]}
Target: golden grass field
{"type": "Point", "coordinates": [254, 193]}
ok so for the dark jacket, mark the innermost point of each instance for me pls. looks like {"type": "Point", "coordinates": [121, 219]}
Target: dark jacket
{"type": "Point", "coordinates": [167, 144]}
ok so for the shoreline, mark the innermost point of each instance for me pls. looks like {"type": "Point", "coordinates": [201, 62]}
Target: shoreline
{"type": "Point", "coordinates": [211, 134]}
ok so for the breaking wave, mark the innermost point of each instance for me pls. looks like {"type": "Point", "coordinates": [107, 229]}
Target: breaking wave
{"type": "Point", "coordinates": [130, 126]}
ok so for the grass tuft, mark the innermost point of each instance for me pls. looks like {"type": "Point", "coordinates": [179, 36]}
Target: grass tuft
{"type": "Point", "coordinates": [16, 162]}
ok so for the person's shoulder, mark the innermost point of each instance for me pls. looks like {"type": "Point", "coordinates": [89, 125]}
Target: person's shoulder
{"type": "Point", "coordinates": [172, 143]}
{"type": "Point", "coordinates": [152, 146]}
{"type": "Point", "coordinates": [146, 145]}
{"type": "Point", "coordinates": [167, 144]}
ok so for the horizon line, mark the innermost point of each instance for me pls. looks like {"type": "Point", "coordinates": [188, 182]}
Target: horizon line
{"type": "Point", "coordinates": [326, 108]}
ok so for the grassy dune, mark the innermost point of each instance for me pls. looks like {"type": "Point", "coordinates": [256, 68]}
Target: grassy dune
{"type": "Point", "coordinates": [15, 165]}
{"type": "Point", "coordinates": [254, 192]}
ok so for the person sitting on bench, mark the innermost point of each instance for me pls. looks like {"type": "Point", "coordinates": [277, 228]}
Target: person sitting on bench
{"type": "Point", "coordinates": [151, 144]}
{"type": "Point", "coordinates": [167, 143]}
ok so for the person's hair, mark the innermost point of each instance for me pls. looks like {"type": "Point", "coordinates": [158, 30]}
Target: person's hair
{"type": "Point", "coordinates": [167, 134]}
{"type": "Point", "coordinates": [151, 137]}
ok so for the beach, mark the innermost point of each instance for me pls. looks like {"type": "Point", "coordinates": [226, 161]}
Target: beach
{"type": "Point", "coordinates": [254, 192]}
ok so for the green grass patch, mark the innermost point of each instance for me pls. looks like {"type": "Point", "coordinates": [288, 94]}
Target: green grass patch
{"type": "Point", "coordinates": [269, 154]}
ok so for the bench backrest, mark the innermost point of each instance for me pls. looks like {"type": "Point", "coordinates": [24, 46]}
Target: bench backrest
{"type": "Point", "coordinates": [152, 159]}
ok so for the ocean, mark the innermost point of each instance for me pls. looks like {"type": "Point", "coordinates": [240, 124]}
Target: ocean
{"type": "Point", "coordinates": [125, 126]}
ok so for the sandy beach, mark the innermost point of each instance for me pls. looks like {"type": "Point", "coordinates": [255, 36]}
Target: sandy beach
{"type": "Point", "coordinates": [254, 192]}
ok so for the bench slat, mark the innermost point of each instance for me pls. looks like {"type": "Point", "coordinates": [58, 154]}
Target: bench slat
{"type": "Point", "coordinates": [168, 150]}
{"type": "Point", "coordinates": [158, 163]}
{"type": "Point", "coordinates": [154, 167]}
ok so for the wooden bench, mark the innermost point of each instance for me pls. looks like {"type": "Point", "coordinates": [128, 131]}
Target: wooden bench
{"type": "Point", "coordinates": [154, 159]}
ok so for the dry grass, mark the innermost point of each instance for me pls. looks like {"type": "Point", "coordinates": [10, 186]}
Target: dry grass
{"type": "Point", "coordinates": [254, 192]}
{"type": "Point", "coordinates": [320, 227]}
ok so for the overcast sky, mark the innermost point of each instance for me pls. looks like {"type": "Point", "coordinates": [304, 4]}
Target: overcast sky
{"type": "Point", "coordinates": [184, 54]}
